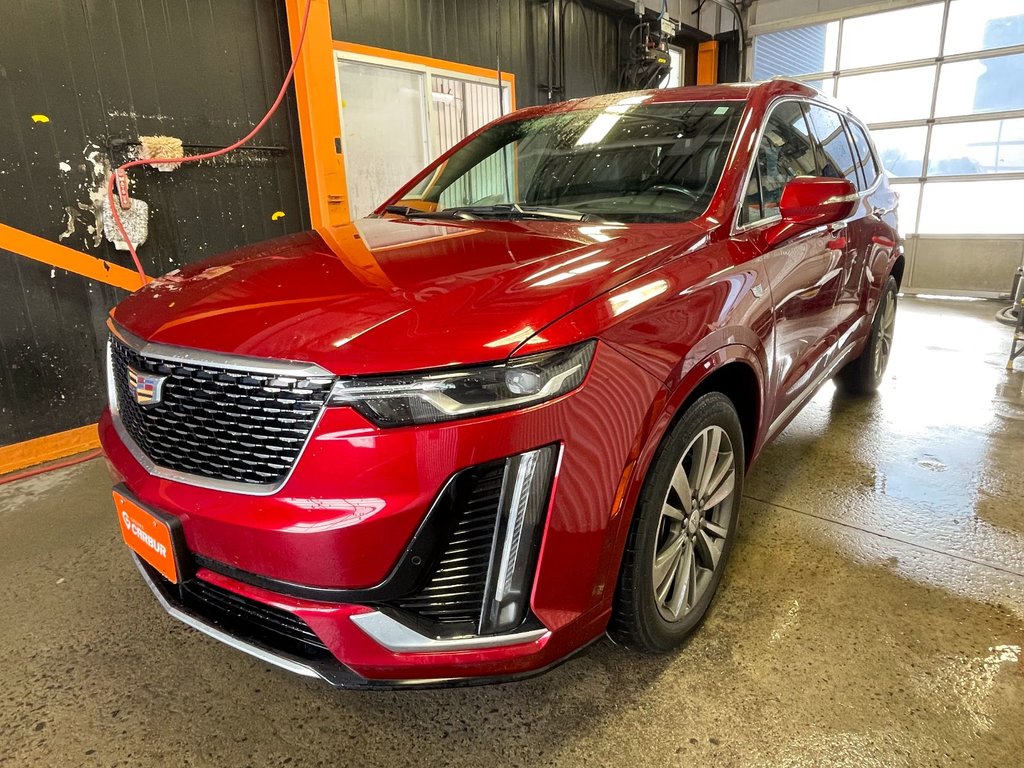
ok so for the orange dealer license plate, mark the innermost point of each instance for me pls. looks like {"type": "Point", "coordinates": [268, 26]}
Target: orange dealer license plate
{"type": "Point", "coordinates": [148, 536]}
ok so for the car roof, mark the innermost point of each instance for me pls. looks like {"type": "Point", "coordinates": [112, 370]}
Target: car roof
{"type": "Point", "coordinates": [770, 89]}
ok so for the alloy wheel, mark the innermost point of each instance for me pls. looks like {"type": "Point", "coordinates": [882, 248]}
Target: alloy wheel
{"type": "Point", "coordinates": [886, 330]}
{"type": "Point", "coordinates": [694, 523]}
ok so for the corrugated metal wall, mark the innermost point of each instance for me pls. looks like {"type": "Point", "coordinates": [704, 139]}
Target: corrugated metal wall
{"type": "Point", "coordinates": [109, 70]}
{"type": "Point", "coordinates": [471, 106]}
{"type": "Point", "coordinates": [468, 32]}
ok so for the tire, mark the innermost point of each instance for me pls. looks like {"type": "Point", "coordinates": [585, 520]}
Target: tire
{"type": "Point", "coordinates": [643, 615]}
{"type": "Point", "coordinates": [864, 374]}
{"type": "Point", "coordinates": [1008, 315]}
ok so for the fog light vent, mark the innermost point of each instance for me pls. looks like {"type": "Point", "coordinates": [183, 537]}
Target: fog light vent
{"type": "Point", "coordinates": [480, 583]}
{"type": "Point", "coordinates": [524, 500]}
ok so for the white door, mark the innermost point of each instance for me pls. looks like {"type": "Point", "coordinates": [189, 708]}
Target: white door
{"type": "Point", "coordinates": [384, 130]}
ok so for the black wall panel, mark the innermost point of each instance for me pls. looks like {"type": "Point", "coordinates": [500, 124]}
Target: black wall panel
{"type": "Point", "coordinates": [105, 71]}
{"type": "Point", "coordinates": [467, 31]}
{"type": "Point", "coordinates": [51, 347]}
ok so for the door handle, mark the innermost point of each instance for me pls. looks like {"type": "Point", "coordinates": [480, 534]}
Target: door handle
{"type": "Point", "coordinates": [836, 237]}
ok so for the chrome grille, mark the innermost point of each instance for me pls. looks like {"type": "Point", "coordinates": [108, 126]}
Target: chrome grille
{"type": "Point", "coordinates": [455, 592]}
{"type": "Point", "coordinates": [217, 422]}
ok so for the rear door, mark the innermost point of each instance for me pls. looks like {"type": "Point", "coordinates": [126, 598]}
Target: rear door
{"type": "Point", "coordinates": [875, 237]}
{"type": "Point", "coordinates": [804, 273]}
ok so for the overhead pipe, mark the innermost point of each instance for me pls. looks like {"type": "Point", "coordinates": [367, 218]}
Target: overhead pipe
{"type": "Point", "coordinates": [735, 11]}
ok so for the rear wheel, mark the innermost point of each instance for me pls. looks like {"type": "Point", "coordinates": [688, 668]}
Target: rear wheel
{"type": "Point", "coordinates": [683, 528]}
{"type": "Point", "coordinates": [863, 375]}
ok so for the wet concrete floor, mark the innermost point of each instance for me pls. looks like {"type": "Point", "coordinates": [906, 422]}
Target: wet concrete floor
{"type": "Point", "coordinates": [872, 615]}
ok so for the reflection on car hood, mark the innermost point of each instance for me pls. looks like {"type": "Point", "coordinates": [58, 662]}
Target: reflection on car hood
{"type": "Point", "coordinates": [386, 294]}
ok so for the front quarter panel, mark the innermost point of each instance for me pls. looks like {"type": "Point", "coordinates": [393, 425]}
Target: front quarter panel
{"type": "Point", "coordinates": [681, 322]}
{"type": "Point", "coordinates": [671, 320]}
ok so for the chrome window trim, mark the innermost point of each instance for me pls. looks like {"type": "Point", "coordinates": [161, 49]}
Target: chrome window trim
{"type": "Point", "coordinates": [396, 636]}
{"type": "Point", "coordinates": [879, 170]}
{"type": "Point", "coordinates": [738, 228]}
{"type": "Point", "coordinates": [200, 357]}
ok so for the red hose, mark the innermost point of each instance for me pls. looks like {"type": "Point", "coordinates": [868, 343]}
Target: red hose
{"type": "Point", "coordinates": [48, 467]}
{"type": "Point", "coordinates": [206, 155]}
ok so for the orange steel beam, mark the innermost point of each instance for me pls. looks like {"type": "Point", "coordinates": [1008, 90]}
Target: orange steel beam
{"type": "Point", "coordinates": [60, 256]}
{"type": "Point", "coordinates": [707, 63]}
{"type": "Point", "coordinates": [48, 448]}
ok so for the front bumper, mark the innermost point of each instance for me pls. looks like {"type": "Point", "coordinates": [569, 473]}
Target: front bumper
{"type": "Point", "coordinates": [320, 547]}
{"type": "Point", "coordinates": [323, 667]}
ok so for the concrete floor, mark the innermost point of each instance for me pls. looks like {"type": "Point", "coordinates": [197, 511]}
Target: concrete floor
{"type": "Point", "coordinates": [872, 615]}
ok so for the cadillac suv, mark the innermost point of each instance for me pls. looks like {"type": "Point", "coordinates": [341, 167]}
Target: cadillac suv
{"type": "Point", "coordinates": [512, 410]}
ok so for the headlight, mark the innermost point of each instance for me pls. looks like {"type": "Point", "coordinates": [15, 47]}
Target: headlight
{"type": "Point", "coordinates": [458, 393]}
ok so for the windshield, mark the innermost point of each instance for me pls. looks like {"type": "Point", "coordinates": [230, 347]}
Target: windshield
{"type": "Point", "coordinates": [627, 162]}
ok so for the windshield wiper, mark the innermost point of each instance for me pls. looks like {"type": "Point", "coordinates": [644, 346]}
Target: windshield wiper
{"type": "Point", "coordinates": [499, 211]}
{"type": "Point", "coordinates": [401, 210]}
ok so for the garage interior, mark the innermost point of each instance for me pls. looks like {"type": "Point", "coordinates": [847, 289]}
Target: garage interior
{"type": "Point", "coordinates": [873, 609]}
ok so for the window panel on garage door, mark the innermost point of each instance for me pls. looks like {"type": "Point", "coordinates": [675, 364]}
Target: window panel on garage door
{"type": "Point", "coordinates": [882, 38]}
{"type": "Point", "coordinates": [785, 152]}
{"type": "Point", "coordinates": [981, 147]}
{"type": "Point", "coordinates": [977, 86]}
{"type": "Point", "coordinates": [901, 150]}
{"type": "Point", "coordinates": [976, 25]}
{"type": "Point", "coordinates": [801, 51]}
{"type": "Point", "coordinates": [384, 129]}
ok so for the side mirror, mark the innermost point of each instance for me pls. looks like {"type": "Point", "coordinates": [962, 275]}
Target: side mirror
{"type": "Point", "coordinates": [811, 201]}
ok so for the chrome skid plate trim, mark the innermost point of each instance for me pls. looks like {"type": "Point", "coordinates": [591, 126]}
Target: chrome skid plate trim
{"type": "Point", "coordinates": [397, 637]}
{"type": "Point", "coordinates": [253, 650]}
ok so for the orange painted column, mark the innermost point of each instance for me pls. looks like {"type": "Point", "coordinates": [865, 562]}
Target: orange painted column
{"type": "Point", "coordinates": [319, 122]}
{"type": "Point", "coordinates": [707, 63]}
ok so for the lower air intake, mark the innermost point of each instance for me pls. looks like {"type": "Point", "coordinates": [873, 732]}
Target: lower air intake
{"type": "Point", "coordinates": [454, 593]}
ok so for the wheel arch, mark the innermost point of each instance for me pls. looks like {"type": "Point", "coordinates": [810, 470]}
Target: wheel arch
{"type": "Point", "coordinates": [897, 269]}
{"type": "Point", "coordinates": [739, 382]}
{"type": "Point", "coordinates": [736, 372]}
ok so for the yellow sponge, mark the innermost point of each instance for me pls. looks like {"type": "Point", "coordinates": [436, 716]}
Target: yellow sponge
{"type": "Point", "coordinates": [160, 147]}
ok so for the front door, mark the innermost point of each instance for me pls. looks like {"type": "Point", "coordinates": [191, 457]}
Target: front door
{"type": "Point", "coordinates": [805, 273]}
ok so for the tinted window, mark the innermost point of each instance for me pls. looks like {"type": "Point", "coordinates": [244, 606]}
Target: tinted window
{"type": "Point", "coordinates": [628, 161]}
{"type": "Point", "coordinates": [786, 151]}
{"type": "Point", "coordinates": [864, 154]}
{"type": "Point", "coordinates": [835, 157]}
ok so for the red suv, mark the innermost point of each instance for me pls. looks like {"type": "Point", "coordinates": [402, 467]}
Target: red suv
{"type": "Point", "coordinates": [511, 411]}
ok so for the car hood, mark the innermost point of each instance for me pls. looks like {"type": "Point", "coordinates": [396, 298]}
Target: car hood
{"type": "Point", "coordinates": [388, 295]}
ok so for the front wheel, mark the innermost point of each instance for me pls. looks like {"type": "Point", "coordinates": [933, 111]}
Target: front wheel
{"type": "Point", "coordinates": [863, 375]}
{"type": "Point", "coordinates": [683, 528]}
